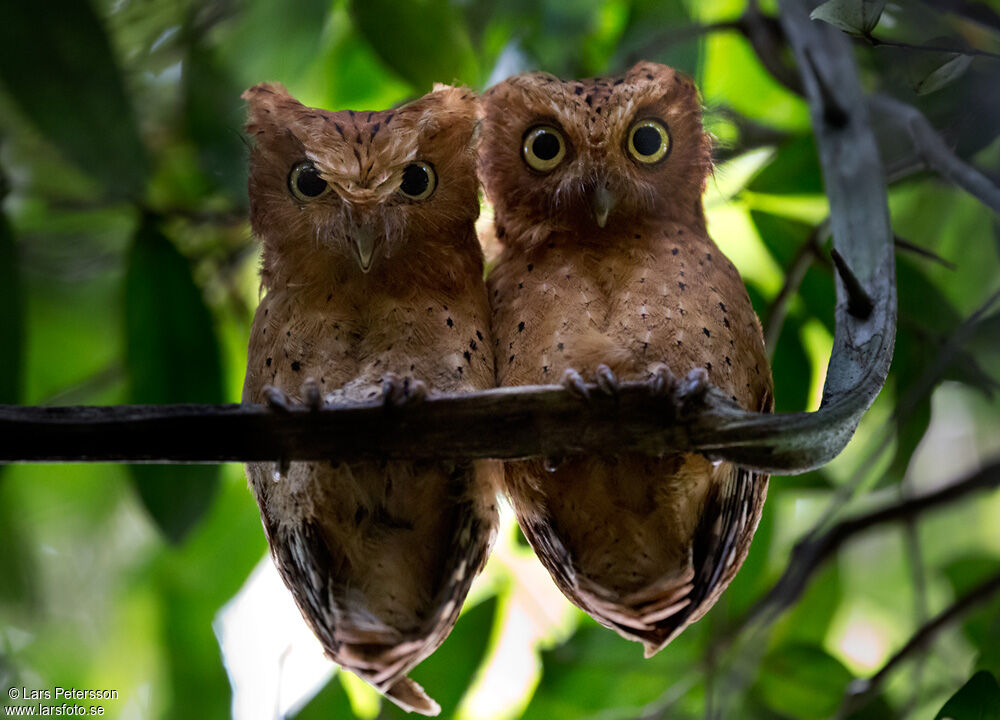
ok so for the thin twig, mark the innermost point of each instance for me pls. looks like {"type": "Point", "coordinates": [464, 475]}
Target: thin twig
{"type": "Point", "coordinates": [860, 690]}
{"type": "Point", "coordinates": [809, 251]}
{"type": "Point", "coordinates": [935, 152]}
{"type": "Point", "coordinates": [808, 556]}
{"type": "Point", "coordinates": [972, 52]}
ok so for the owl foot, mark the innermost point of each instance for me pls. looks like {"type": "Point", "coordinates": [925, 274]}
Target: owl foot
{"type": "Point", "coordinates": [278, 401]}
{"type": "Point", "coordinates": [399, 392]}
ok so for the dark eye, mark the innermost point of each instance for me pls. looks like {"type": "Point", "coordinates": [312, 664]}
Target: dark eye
{"type": "Point", "coordinates": [648, 141]}
{"type": "Point", "coordinates": [305, 183]}
{"type": "Point", "coordinates": [418, 182]}
{"type": "Point", "coordinates": [543, 148]}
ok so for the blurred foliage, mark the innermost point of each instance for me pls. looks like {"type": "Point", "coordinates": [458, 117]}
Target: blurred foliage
{"type": "Point", "coordinates": [128, 273]}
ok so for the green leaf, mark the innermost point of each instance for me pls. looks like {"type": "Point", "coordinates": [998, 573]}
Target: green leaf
{"type": "Point", "coordinates": [794, 170]}
{"type": "Point", "coordinates": [791, 368]}
{"type": "Point", "coordinates": [802, 681]}
{"type": "Point", "coordinates": [11, 316]}
{"type": "Point", "coordinates": [596, 670]}
{"type": "Point", "coordinates": [57, 64]}
{"type": "Point", "coordinates": [172, 357]}
{"type": "Point", "coordinates": [425, 41]}
{"type": "Point", "coordinates": [978, 699]}
{"type": "Point", "coordinates": [330, 702]}
{"type": "Point", "coordinates": [952, 68]}
{"type": "Point", "coordinates": [858, 17]}
{"type": "Point", "coordinates": [447, 674]}
{"type": "Point", "coordinates": [784, 238]}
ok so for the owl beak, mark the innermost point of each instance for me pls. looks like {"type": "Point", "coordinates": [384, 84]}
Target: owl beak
{"type": "Point", "coordinates": [364, 243]}
{"type": "Point", "coordinates": [602, 202]}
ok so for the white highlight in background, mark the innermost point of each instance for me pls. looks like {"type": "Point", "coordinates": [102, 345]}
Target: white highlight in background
{"type": "Point", "coordinates": [274, 662]}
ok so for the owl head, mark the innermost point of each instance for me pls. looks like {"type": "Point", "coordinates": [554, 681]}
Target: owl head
{"type": "Point", "coordinates": [370, 195]}
{"type": "Point", "coordinates": [594, 156]}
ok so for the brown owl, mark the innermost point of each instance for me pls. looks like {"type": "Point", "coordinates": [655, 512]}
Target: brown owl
{"type": "Point", "coordinates": [608, 272]}
{"type": "Point", "coordinates": [373, 273]}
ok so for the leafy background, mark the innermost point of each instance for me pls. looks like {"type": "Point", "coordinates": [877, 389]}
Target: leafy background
{"type": "Point", "coordinates": [128, 274]}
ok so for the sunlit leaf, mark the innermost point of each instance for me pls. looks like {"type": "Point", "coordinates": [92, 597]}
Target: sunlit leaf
{"type": "Point", "coordinates": [858, 17]}
{"type": "Point", "coordinates": [802, 681]}
{"type": "Point", "coordinates": [978, 699]}
{"type": "Point", "coordinates": [272, 41]}
{"type": "Point", "coordinates": [425, 41]}
{"type": "Point", "coordinates": [57, 64]}
{"type": "Point", "coordinates": [172, 356]}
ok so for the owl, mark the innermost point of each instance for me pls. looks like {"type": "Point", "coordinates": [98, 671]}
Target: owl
{"type": "Point", "coordinates": [608, 273]}
{"type": "Point", "coordinates": [375, 294]}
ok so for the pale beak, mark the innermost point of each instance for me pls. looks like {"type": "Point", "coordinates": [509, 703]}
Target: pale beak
{"type": "Point", "coordinates": [602, 202]}
{"type": "Point", "coordinates": [364, 242]}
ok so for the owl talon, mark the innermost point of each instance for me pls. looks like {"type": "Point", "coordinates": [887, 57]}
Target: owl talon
{"type": "Point", "coordinates": [311, 394]}
{"type": "Point", "coordinates": [399, 392]}
{"type": "Point", "coordinates": [691, 391]}
{"type": "Point", "coordinates": [662, 382]}
{"type": "Point", "coordinates": [573, 382]}
{"type": "Point", "coordinates": [276, 399]}
{"type": "Point", "coordinates": [607, 381]}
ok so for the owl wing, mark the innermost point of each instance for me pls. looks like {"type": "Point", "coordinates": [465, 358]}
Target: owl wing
{"type": "Point", "coordinates": [350, 634]}
{"type": "Point", "coordinates": [656, 614]}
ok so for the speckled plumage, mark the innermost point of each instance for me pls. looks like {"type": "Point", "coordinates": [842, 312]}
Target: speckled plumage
{"type": "Point", "coordinates": [379, 556]}
{"type": "Point", "coordinates": [630, 280]}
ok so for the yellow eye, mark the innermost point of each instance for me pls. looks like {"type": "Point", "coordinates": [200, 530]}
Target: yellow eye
{"type": "Point", "coordinates": [305, 183]}
{"type": "Point", "coordinates": [418, 182]}
{"type": "Point", "coordinates": [543, 148]}
{"type": "Point", "coordinates": [648, 141]}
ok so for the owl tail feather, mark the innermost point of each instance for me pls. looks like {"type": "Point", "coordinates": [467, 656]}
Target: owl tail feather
{"type": "Point", "coordinates": [412, 698]}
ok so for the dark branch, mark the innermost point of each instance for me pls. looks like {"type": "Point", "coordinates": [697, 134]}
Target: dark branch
{"type": "Point", "coordinates": [935, 153]}
{"type": "Point", "coordinates": [972, 52]}
{"type": "Point", "coordinates": [516, 422]}
{"type": "Point", "coordinates": [861, 690]}
{"type": "Point", "coordinates": [811, 553]}
{"type": "Point", "coordinates": [810, 250]}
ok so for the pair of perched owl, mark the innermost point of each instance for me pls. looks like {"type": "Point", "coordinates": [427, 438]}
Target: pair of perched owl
{"type": "Point", "coordinates": [375, 292]}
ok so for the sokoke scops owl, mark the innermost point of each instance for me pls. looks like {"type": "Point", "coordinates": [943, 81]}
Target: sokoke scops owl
{"type": "Point", "coordinates": [373, 274]}
{"type": "Point", "coordinates": [607, 272]}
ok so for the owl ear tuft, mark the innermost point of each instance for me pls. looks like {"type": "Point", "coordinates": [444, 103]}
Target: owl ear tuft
{"type": "Point", "coordinates": [265, 101]}
{"type": "Point", "coordinates": [446, 108]}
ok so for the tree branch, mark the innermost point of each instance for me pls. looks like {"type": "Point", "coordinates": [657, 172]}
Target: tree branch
{"type": "Point", "coordinates": [809, 251]}
{"type": "Point", "coordinates": [810, 554]}
{"type": "Point", "coordinates": [861, 690]}
{"type": "Point", "coordinates": [546, 420]}
{"type": "Point", "coordinates": [935, 154]}
{"type": "Point", "coordinates": [971, 52]}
